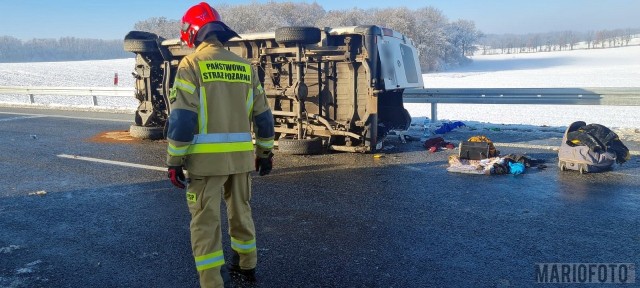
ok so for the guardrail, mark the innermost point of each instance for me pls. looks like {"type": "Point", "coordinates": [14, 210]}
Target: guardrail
{"type": "Point", "coordinates": [93, 92]}
{"type": "Point", "coordinates": [550, 96]}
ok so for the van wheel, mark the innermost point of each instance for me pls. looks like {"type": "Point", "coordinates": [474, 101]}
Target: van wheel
{"type": "Point", "coordinates": [141, 42]}
{"type": "Point", "coordinates": [142, 132]}
{"type": "Point", "coordinates": [140, 46]}
{"type": "Point", "coordinates": [300, 146]}
{"type": "Point", "coordinates": [298, 35]}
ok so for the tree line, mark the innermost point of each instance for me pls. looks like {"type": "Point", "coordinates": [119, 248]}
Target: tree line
{"type": "Point", "coordinates": [555, 41]}
{"type": "Point", "coordinates": [63, 49]}
{"type": "Point", "coordinates": [440, 42]}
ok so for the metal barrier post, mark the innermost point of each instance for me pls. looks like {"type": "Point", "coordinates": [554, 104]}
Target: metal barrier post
{"type": "Point", "coordinates": [95, 100]}
{"type": "Point", "coordinates": [434, 112]}
{"type": "Point", "coordinates": [31, 99]}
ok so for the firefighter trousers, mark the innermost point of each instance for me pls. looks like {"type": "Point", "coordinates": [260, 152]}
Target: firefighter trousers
{"type": "Point", "coordinates": [203, 198]}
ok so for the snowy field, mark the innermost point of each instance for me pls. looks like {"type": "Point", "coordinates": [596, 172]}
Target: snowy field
{"type": "Point", "coordinates": [614, 67]}
{"type": "Point", "coordinates": [97, 73]}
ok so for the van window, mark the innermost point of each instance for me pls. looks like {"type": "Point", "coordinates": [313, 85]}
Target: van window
{"type": "Point", "coordinates": [409, 64]}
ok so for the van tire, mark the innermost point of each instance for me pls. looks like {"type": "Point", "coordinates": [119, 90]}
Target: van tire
{"type": "Point", "coordinates": [300, 146]}
{"type": "Point", "coordinates": [140, 46]}
{"type": "Point", "coordinates": [298, 35]}
{"type": "Point", "coordinates": [142, 132]}
{"type": "Point", "coordinates": [141, 42]}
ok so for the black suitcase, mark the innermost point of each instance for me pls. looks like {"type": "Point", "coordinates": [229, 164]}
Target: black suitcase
{"type": "Point", "coordinates": [474, 150]}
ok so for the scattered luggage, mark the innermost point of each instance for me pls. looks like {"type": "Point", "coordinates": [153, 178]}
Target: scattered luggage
{"type": "Point", "coordinates": [514, 164]}
{"type": "Point", "coordinates": [448, 127]}
{"type": "Point", "coordinates": [477, 148]}
{"type": "Point", "coordinates": [590, 148]}
{"type": "Point", "coordinates": [435, 143]}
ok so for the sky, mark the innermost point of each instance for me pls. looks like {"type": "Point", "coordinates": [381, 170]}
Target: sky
{"type": "Point", "coordinates": [27, 19]}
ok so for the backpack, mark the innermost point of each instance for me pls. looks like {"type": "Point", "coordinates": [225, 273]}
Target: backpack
{"type": "Point", "coordinates": [590, 148]}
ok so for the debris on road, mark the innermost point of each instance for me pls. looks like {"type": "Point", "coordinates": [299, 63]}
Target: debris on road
{"type": "Point", "coordinates": [38, 193]}
{"type": "Point", "coordinates": [7, 250]}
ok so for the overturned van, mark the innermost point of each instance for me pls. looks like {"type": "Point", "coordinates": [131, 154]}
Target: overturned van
{"type": "Point", "coordinates": [330, 89]}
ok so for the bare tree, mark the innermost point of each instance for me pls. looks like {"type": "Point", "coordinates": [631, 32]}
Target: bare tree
{"type": "Point", "coordinates": [439, 43]}
{"type": "Point", "coordinates": [463, 35]}
{"type": "Point", "coordinates": [589, 39]}
{"type": "Point", "coordinates": [160, 26]}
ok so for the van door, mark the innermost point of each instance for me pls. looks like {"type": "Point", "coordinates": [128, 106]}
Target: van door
{"type": "Point", "coordinates": [400, 66]}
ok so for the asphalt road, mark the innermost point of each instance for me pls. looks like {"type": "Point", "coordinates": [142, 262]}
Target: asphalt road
{"type": "Point", "coordinates": [333, 220]}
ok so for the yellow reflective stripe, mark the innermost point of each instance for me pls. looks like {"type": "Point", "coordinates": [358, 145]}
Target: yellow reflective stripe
{"type": "Point", "coordinates": [220, 147]}
{"type": "Point", "coordinates": [184, 85]}
{"type": "Point", "coordinates": [250, 102]}
{"type": "Point", "coordinates": [267, 144]}
{"type": "Point", "coordinates": [243, 246]}
{"type": "Point", "coordinates": [177, 151]}
{"type": "Point", "coordinates": [209, 261]}
{"type": "Point", "coordinates": [203, 116]}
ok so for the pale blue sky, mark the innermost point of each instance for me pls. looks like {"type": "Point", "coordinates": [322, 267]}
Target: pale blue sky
{"type": "Point", "coordinates": [26, 19]}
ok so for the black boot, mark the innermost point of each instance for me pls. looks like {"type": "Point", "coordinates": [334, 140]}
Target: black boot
{"type": "Point", "coordinates": [244, 274]}
{"type": "Point", "coordinates": [248, 275]}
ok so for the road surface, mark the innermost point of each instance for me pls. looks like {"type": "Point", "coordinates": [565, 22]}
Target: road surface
{"type": "Point", "coordinates": [333, 220]}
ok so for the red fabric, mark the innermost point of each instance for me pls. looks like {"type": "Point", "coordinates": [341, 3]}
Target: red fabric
{"type": "Point", "coordinates": [435, 143]}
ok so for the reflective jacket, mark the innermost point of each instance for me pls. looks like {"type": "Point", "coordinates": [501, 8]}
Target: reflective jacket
{"type": "Point", "coordinates": [215, 99]}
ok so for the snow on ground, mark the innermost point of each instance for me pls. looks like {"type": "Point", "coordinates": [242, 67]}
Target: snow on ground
{"type": "Point", "coordinates": [614, 67]}
{"type": "Point", "coordinates": [96, 73]}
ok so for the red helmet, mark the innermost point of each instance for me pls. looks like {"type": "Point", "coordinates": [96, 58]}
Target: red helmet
{"type": "Point", "coordinates": [196, 17]}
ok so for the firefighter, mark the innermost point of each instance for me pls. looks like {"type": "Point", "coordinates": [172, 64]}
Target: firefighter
{"type": "Point", "coordinates": [215, 100]}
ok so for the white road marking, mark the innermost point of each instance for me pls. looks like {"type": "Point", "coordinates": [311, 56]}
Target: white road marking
{"type": "Point", "coordinates": [63, 116]}
{"type": "Point", "coordinates": [21, 118]}
{"type": "Point", "coordinates": [126, 164]}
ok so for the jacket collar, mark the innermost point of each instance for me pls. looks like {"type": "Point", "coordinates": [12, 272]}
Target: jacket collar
{"type": "Point", "coordinates": [209, 42]}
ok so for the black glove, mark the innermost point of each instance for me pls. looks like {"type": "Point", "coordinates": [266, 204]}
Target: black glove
{"type": "Point", "coordinates": [177, 176]}
{"type": "Point", "coordinates": [264, 165]}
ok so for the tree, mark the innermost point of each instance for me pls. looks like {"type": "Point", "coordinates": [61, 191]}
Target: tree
{"type": "Point", "coordinates": [463, 35]}
{"type": "Point", "coordinates": [430, 37]}
{"type": "Point", "coordinates": [439, 43]}
{"type": "Point", "coordinates": [160, 26]}
{"type": "Point", "coordinates": [589, 38]}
